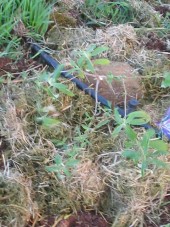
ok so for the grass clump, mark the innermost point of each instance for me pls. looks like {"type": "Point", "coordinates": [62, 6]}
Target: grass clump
{"type": "Point", "coordinates": [35, 14]}
{"type": "Point", "coordinates": [99, 12]}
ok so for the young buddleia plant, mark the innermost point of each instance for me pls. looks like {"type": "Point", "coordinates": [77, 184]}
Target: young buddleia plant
{"type": "Point", "coordinates": [135, 118]}
{"type": "Point", "coordinates": [145, 151]}
{"type": "Point", "coordinates": [66, 161]}
{"type": "Point", "coordinates": [85, 62]}
{"type": "Point", "coordinates": [49, 83]}
{"type": "Point", "coordinates": [64, 164]}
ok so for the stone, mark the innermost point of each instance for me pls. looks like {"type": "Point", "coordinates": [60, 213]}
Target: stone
{"type": "Point", "coordinates": [116, 81]}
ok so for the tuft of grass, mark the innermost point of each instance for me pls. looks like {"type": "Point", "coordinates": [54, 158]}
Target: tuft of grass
{"type": "Point", "coordinates": [35, 15]}
{"type": "Point", "coordinates": [102, 11]}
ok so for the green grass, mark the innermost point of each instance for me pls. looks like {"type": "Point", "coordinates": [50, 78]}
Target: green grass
{"type": "Point", "coordinates": [102, 11]}
{"type": "Point", "coordinates": [34, 14]}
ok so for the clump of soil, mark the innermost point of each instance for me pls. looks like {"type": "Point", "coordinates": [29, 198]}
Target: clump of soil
{"type": "Point", "coordinates": [82, 219]}
{"type": "Point", "coordinates": [123, 81]}
{"type": "Point", "coordinates": [7, 65]}
{"type": "Point", "coordinates": [156, 43]}
{"type": "Point", "coordinates": [163, 10]}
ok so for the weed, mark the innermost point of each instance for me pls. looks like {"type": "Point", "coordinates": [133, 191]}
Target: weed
{"type": "Point", "coordinates": [134, 118]}
{"type": "Point", "coordinates": [7, 11]}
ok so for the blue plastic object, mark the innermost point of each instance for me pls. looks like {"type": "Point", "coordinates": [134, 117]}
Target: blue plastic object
{"type": "Point", "coordinates": [164, 125]}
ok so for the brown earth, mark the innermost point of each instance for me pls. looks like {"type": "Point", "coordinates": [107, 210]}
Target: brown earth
{"type": "Point", "coordinates": [125, 82]}
{"type": "Point", "coordinates": [82, 219]}
{"type": "Point", "coordinates": [8, 65]}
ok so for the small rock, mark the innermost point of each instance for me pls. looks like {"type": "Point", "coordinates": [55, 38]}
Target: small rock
{"type": "Point", "coordinates": [116, 81]}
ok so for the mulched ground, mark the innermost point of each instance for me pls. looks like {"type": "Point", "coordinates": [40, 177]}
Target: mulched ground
{"type": "Point", "coordinates": [82, 219]}
{"type": "Point", "coordinates": [164, 218]}
{"type": "Point", "coordinates": [8, 65]}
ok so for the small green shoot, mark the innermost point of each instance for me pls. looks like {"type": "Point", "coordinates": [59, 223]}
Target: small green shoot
{"type": "Point", "coordinates": [47, 122]}
{"type": "Point", "coordinates": [64, 164]}
{"type": "Point", "coordinates": [136, 118]}
{"type": "Point", "coordinates": [145, 151]}
{"type": "Point", "coordinates": [48, 83]}
{"type": "Point", "coordinates": [84, 61]}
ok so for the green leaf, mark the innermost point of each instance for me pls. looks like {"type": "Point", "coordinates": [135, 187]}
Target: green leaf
{"type": "Point", "coordinates": [101, 61]}
{"type": "Point", "coordinates": [91, 48]}
{"type": "Point", "coordinates": [81, 75]}
{"type": "Point", "coordinates": [57, 72]}
{"type": "Point", "coordinates": [102, 123]}
{"type": "Point", "coordinates": [89, 65]}
{"type": "Point", "coordinates": [144, 166]}
{"type": "Point", "coordinates": [129, 144]}
{"type": "Point", "coordinates": [72, 163]}
{"type": "Point", "coordinates": [50, 92]}
{"type": "Point", "coordinates": [117, 130]}
{"type": "Point", "coordinates": [166, 81]}
{"type": "Point", "coordinates": [44, 77]}
{"type": "Point", "coordinates": [158, 163]}
{"type": "Point", "coordinates": [131, 154]}
{"type": "Point", "coordinates": [159, 145]}
{"type": "Point", "coordinates": [138, 118]}
{"type": "Point", "coordinates": [145, 140]}
{"type": "Point", "coordinates": [159, 153]}
{"type": "Point", "coordinates": [86, 127]}
{"type": "Point", "coordinates": [58, 159]}
{"type": "Point", "coordinates": [73, 153]}
{"type": "Point", "coordinates": [81, 61]}
{"type": "Point", "coordinates": [99, 50]}
{"type": "Point", "coordinates": [51, 169]}
{"type": "Point", "coordinates": [63, 88]}
{"type": "Point", "coordinates": [67, 172]}
{"type": "Point", "coordinates": [130, 133]}
{"type": "Point", "coordinates": [73, 64]}
{"type": "Point", "coordinates": [117, 116]}
{"type": "Point", "coordinates": [49, 122]}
